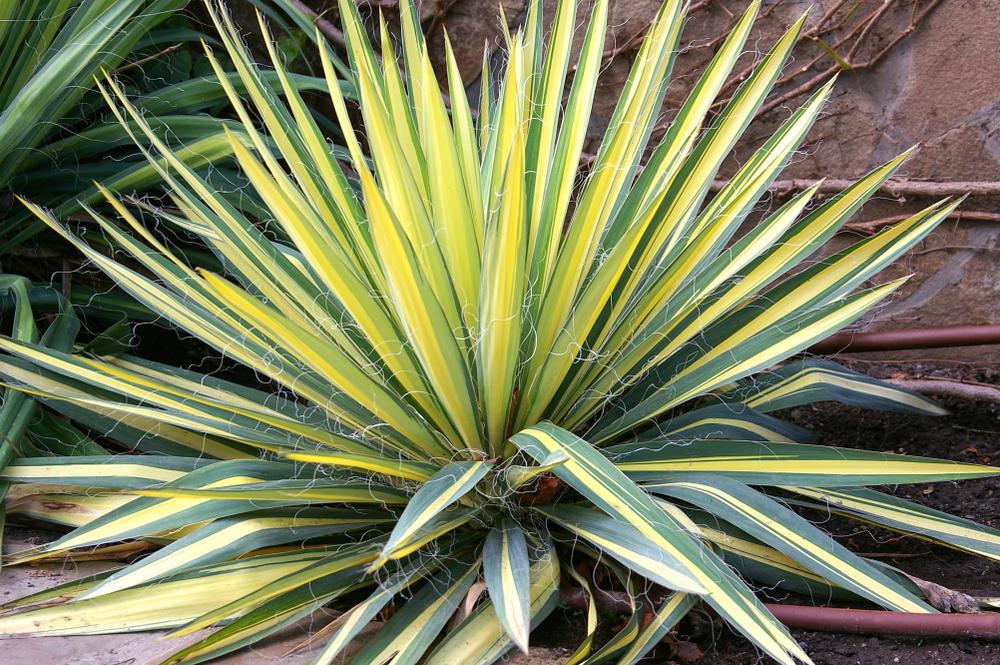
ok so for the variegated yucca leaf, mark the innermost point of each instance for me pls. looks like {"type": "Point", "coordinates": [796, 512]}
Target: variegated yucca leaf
{"type": "Point", "coordinates": [505, 568]}
{"type": "Point", "coordinates": [184, 597]}
{"type": "Point", "coordinates": [493, 371]}
{"type": "Point", "coordinates": [808, 381]}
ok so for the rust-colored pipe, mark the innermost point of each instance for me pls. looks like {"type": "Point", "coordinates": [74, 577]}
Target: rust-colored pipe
{"type": "Point", "coordinates": [897, 340]}
{"type": "Point", "coordinates": [984, 626]}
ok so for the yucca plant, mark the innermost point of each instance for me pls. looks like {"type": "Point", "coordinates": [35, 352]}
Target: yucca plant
{"type": "Point", "coordinates": [485, 364]}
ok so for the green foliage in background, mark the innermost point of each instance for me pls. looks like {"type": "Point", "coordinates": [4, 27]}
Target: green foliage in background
{"type": "Point", "coordinates": [56, 133]}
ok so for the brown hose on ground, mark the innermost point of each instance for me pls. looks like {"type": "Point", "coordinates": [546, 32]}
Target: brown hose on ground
{"type": "Point", "coordinates": [985, 625]}
{"type": "Point", "coordinates": [897, 340]}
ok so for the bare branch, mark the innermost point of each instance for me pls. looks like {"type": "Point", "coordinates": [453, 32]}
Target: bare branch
{"type": "Point", "coordinates": [979, 392]}
{"type": "Point", "coordinates": [897, 187]}
{"type": "Point", "coordinates": [874, 225]}
{"type": "Point", "coordinates": [332, 32]}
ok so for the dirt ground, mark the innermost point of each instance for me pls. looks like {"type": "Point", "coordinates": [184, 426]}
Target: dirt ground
{"type": "Point", "coordinates": [969, 433]}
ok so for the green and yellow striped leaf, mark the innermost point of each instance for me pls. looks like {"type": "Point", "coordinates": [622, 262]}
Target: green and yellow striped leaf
{"type": "Point", "coordinates": [505, 568]}
{"type": "Point", "coordinates": [355, 619]}
{"type": "Point", "coordinates": [727, 420]}
{"type": "Point", "coordinates": [624, 543]}
{"type": "Point", "coordinates": [586, 646]}
{"type": "Point", "coordinates": [669, 218]}
{"type": "Point", "coordinates": [347, 558]}
{"type": "Point", "coordinates": [123, 472]}
{"type": "Point", "coordinates": [296, 490]}
{"type": "Point", "coordinates": [230, 537]}
{"type": "Point", "coordinates": [629, 631]}
{"type": "Point", "coordinates": [518, 475]}
{"type": "Point", "coordinates": [61, 507]}
{"type": "Point", "coordinates": [268, 618]}
{"type": "Point", "coordinates": [383, 464]}
{"type": "Point", "coordinates": [904, 516]}
{"type": "Point", "coordinates": [783, 529]}
{"type": "Point", "coordinates": [445, 522]}
{"type": "Point", "coordinates": [607, 487]}
{"type": "Point", "coordinates": [179, 599]}
{"type": "Point", "coordinates": [449, 485]}
{"type": "Point", "coordinates": [142, 516]}
{"type": "Point", "coordinates": [809, 381]}
{"type": "Point", "coordinates": [60, 592]}
{"type": "Point", "coordinates": [671, 610]}
{"type": "Point", "coordinates": [761, 563]}
{"type": "Point", "coordinates": [779, 463]}
{"type": "Point", "coordinates": [480, 638]}
{"type": "Point", "coordinates": [761, 343]}
{"type": "Point", "coordinates": [408, 634]}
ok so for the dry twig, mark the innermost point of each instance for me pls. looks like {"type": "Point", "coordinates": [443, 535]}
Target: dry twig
{"type": "Point", "coordinates": [981, 392]}
{"type": "Point", "coordinates": [149, 58]}
{"type": "Point", "coordinates": [859, 34]}
{"type": "Point", "coordinates": [874, 225]}
{"type": "Point", "coordinates": [332, 32]}
{"type": "Point", "coordinates": [898, 188]}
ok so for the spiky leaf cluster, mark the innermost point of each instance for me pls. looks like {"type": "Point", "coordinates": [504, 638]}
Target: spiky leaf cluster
{"type": "Point", "coordinates": [493, 364]}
